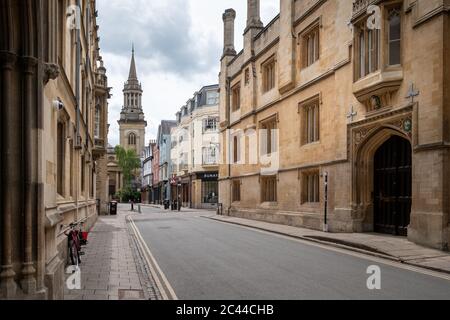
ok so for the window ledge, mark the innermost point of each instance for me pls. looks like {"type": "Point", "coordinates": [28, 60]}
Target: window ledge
{"type": "Point", "coordinates": [311, 207]}
{"type": "Point", "coordinates": [268, 205]}
{"type": "Point", "coordinates": [306, 67]}
{"type": "Point", "coordinates": [210, 165]}
{"type": "Point", "coordinates": [311, 144]}
{"type": "Point", "coordinates": [378, 83]}
{"type": "Point", "coordinates": [271, 90]}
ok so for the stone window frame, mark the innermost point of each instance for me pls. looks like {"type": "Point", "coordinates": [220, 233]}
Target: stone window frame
{"type": "Point", "coordinates": [236, 97]}
{"type": "Point", "coordinates": [71, 160]}
{"type": "Point", "coordinates": [269, 188]}
{"type": "Point", "coordinates": [236, 148]}
{"type": "Point", "coordinates": [236, 190]}
{"type": "Point", "coordinates": [247, 76]}
{"type": "Point", "coordinates": [63, 124]}
{"type": "Point", "coordinates": [97, 121]}
{"type": "Point", "coordinates": [83, 175]}
{"type": "Point", "coordinates": [304, 36]}
{"type": "Point", "coordinates": [60, 158]}
{"type": "Point", "coordinates": [389, 9]}
{"type": "Point", "coordinates": [132, 139]}
{"type": "Point", "coordinates": [91, 181]}
{"type": "Point", "coordinates": [316, 101]}
{"type": "Point", "coordinates": [310, 197]}
{"type": "Point", "coordinates": [383, 50]}
{"type": "Point", "coordinates": [371, 53]}
{"type": "Point", "coordinates": [269, 74]}
{"type": "Point", "coordinates": [62, 18]}
{"type": "Point", "coordinates": [264, 124]}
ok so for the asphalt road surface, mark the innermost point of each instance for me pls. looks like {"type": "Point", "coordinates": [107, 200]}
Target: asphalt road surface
{"type": "Point", "coordinates": [205, 259]}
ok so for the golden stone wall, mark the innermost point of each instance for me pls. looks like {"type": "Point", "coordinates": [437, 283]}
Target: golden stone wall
{"type": "Point", "coordinates": [347, 144]}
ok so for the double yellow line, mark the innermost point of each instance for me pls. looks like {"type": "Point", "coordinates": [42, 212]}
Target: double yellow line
{"type": "Point", "coordinates": [163, 285]}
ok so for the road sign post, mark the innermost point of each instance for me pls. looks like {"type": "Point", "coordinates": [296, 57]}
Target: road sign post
{"type": "Point", "coordinates": [325, 218]}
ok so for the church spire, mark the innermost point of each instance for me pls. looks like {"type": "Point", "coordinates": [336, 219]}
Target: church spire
{"type": "Point", "coordinates": [132, 95]}
{"type": "Point", "coordinates": [133, 73]}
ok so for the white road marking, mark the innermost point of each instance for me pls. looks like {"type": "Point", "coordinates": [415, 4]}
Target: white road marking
{"type": "Point", "coordinates": [159, 276]}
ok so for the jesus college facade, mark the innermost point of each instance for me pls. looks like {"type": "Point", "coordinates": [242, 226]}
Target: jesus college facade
{"type": "Point", "coordinates": [357, 94]}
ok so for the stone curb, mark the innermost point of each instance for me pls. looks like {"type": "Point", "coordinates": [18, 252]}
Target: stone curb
{"type": "Point", "coordinates": [151, 291]}
{"type": "Point", "coordinates": [333, 244]}
{"type": "Point", "coordinates": [183, 209]}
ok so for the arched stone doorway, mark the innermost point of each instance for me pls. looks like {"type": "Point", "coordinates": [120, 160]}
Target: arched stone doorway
{"type": "Point", "coordinates": [382, 184]}
{"type": "Point", "coordinates": [392, 186]}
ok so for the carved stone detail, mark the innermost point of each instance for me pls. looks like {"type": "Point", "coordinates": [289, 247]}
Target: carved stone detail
{"type": "Point", "coordinates": [51, 72]}
{"type": "Point", "coordinates": [400, 120]}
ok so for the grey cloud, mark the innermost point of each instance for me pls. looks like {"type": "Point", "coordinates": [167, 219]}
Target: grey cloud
{"type": "Point", "coordinates": [162, 35]}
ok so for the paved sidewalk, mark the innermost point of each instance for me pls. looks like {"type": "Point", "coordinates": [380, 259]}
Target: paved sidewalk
{"type": "Point", "coordinates": [183, 209]}
{"type": "Point", "coordinates": [394, 248]}
{"type": "Point", "coordinates": [109, 268]}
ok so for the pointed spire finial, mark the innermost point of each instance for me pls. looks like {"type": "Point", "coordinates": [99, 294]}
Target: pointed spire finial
{"type": "Point", "coordinates": [133, 74]}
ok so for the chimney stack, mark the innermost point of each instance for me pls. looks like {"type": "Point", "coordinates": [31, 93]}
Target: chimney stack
{"type": "Point", "coordinates": [228, 25]}
{"type": "Point", "coordinates": [253, 14]}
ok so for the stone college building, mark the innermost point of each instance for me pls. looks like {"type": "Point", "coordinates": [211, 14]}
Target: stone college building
{"type": "Point", "coordinates": [355, 93]}
{"type": "Point", "coordinates": [54, 102]}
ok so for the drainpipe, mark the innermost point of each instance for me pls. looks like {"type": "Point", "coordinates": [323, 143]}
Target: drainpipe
{"type": "Point", "coordinates": [228, 115]}
{"type": "Point", "coordinates": [77, 78]}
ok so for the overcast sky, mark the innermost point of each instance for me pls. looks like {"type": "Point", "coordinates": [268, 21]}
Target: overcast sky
{"type": "Point", "coordinates": [178, 46]}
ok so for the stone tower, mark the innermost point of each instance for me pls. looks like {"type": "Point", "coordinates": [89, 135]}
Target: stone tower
{"type": "Point", "coordinates": [132, 122]}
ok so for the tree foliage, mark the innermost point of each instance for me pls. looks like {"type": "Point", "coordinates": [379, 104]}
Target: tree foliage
{"type": "Point", "coordinates": [128, 161]}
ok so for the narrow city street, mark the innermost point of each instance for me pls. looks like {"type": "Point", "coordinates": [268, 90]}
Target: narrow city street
{"type": "Point", "coordinates": [312, 138]}
{"type": "Point", "coordinates": [205, 259]}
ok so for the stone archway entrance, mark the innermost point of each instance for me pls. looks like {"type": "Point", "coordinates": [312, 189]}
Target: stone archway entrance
{"type": "Point", "coordinates": [392, 186]}
{"type": "Point", "coordinates": [382, 151]}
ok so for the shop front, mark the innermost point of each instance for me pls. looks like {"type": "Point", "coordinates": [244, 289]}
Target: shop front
{"type": "Point", "coordinates": [207, 187]}
{"type": "Point", "coordinates": [185, 190]}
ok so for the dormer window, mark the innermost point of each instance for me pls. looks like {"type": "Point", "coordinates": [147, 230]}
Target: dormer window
{"type": "Point", "coordinates": [212, 97]}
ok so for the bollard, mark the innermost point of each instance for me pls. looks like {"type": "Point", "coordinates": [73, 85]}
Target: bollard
{"type": "Point", "coordinates": [139, 208]}
{"type": "Point", "coordinates": [220, 209]}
